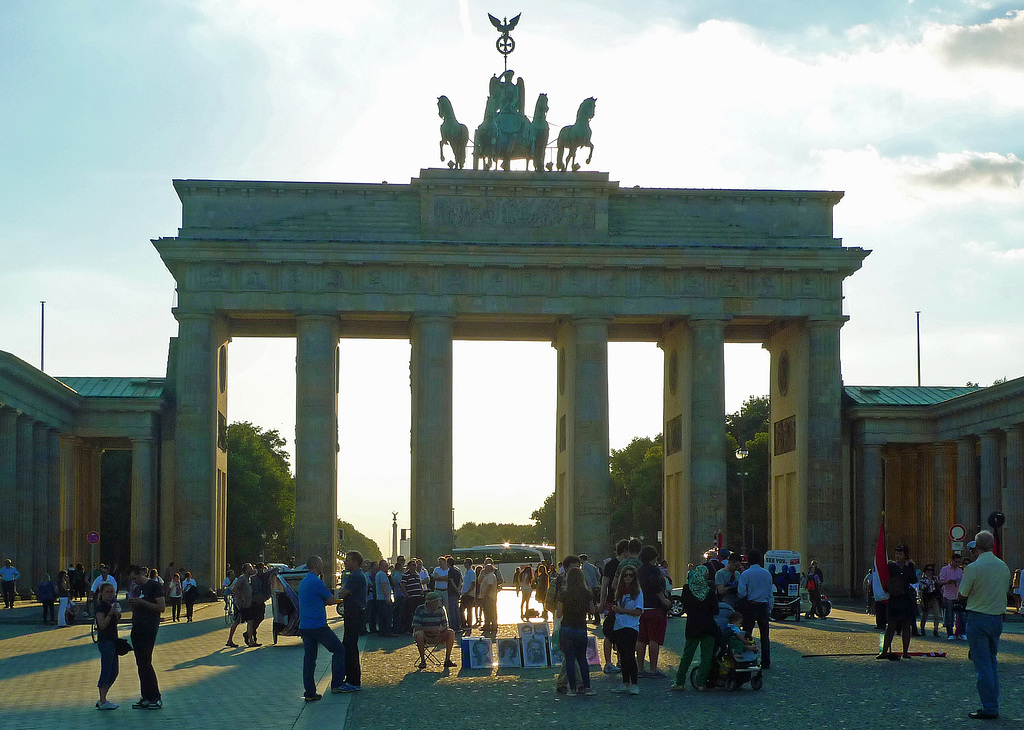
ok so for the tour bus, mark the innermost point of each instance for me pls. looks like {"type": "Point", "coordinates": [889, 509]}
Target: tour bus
{"type": "Point", "coordinates": [507, 557]}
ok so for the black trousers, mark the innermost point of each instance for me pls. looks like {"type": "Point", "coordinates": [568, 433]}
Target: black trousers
{"type": "Point", "coordinates": [355, 624]}
{"type": "Point", "coordinates": [143, 641]}
{"type": "Point", "coordinates": [758, 613]}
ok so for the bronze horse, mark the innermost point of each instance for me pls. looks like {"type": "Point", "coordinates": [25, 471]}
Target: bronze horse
{"type": "Point", "coordinates": [577, 135]}
{"type": "Point", "coordinates": [454, 134]}
{"type": "Point", "coordinates": [508, 136]}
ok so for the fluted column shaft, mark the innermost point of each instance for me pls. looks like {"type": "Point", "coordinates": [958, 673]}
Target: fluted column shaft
{"type": "Point", "coordinates": [990, 476]}
{"type": "Point", "coordinates": [24, 517]}
{"type": "Point", "coordinates": [53, 504]}
{"type": "Point", "coordinates": [143, 503]}
{"type": "Point", "coordinates": [8, 476]}
{"type": "Point", "coordinates": [824, 516]}
{"type": "Point", "coordinates": [431, 447]}
{"type": "Point", "coordinates": [1013, 507]}
{"type": "Point", "coordinates": [873, 491]}
{"type": "Point", "coordinates": [967, 486]}
{"type": "Point", "coordinates": [707, 433]}
{"type": "Point", "coordinates": [316, 438]}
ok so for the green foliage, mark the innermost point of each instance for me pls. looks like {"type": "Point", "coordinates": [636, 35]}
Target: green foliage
{"type": "Point", "coordinates": [637, 478]}
{"type": "Point", "coordinates": [488, 533]}
{"type": "Point", "coordinates": [261, 495]}
{"type": "Point", "coordinates": [747, 479]}
{"type": "Point", "coordinates": [355, 540]}
{"type": "Point", "coordinates": [546, 526]}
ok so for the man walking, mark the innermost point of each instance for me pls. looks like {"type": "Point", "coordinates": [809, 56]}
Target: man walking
{"type": "Point", "coordinates": [261, 590]}
{"type": "Point", "coordinates": [241, 591]}
{"type": "Point", "coordinates": [354, 593]}
{"type": "Point", "coordinates": [384, 599]}
{"type": "Point", "coordinates": [592, 577]}
{"type": "Point", "coordinates": [984, 585]}
{"type": "Point", "coordinates": [755, 584]}
{"type": "Point", "coordinates": [452, 597]}
{"type": "Point", "coordinates": [147, 602]}
{"type": "Point", "coordinates": [314, 597]}
{"type": "Point", "coordinates": [8, 577]}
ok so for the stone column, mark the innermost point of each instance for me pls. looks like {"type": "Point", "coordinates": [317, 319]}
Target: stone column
{"type": "Point", "coordinates": [53, 503]}
{"type": "Point", "coordinates": [316, 439]}
{"type": "Point", "coordinates": [70, 457]}
{"type": "Point", "coordinates": [990, 477]}
{"type": "Point", "coordinates": [41, 502]}
{"type": "Point", "coordinates": [707, 433]}
{"type": "Point", "coordinates": [1013, 505]}
{"type": "Point", "coordinates": [583, 484]}
{"type": "Point", "coordinates": [25, 508]}
{"type": "Point", "coordinates": [967, 487]}
{"type": "Point", "coordinates": [873, 487]}
{"type": "Point", "coordinates": [941, 486]}
{"type": "Point", "coordinates": [196, 442]}
{"type": "Point", "coordinates": [9, 477]}
{"type": "Point", "coordinates": [144, 525]}
{"type": "Point", "coordinates": [824, 509]}
{"type": "Point", "coordinates": [431, 480]}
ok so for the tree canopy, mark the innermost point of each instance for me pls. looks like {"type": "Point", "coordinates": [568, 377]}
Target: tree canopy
{"type": "Point", "coordinates": [355, 540]}
{"type": "Point", "coordinates": [261, 495]}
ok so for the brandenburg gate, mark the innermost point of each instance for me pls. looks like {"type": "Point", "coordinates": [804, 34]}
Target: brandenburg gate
{"type": "Point", "coordinates": [570, 258]}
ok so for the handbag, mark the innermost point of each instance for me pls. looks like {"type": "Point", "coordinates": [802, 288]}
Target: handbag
{"type": "Point", "coordinates": [123, 647]}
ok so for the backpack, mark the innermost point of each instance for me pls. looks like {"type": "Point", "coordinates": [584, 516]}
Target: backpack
{"type": "Point", "coordinates": [45, 591]}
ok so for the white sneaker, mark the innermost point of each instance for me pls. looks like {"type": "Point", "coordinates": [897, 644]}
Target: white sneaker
{"type": "Point", "coordinates": [611, 669]}
{"type": "Point", "coordinates": [951, 637]}
{"type": "Point", "coordinates": [634, 689]}
{"type": "Point", "coordinates": [108, 705]}
{"type": "Point", "coordinates": [620, 689]}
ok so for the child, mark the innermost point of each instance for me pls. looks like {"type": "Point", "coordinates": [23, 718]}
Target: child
{"type": "Point", "coordinates": [742, 648]}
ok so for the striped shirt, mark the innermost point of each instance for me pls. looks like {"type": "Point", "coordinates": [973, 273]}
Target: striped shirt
{"type": "Point", "coordinates": [411, 585]}
{"type": "Point", "coordinates": [424, 618]}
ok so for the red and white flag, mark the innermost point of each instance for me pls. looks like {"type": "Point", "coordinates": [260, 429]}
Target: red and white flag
{"type": "Point", "coordinates": [880, 578]}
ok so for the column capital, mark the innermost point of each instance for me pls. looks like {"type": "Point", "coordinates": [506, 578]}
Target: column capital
{"type": "Point", "coordinates": [827, 321]}
{"type": "Point", "coordinates": [192, 315]}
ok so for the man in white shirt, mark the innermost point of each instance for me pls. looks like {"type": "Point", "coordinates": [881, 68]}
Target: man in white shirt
{"type": "Point", "coordinates": [466, 600]}
{"type": "Point", "coordinates": [754, 589]}
{"type": "Point", "coordinates": [8, 575]}
{"type": "Point", "coordinates": [102, 578]}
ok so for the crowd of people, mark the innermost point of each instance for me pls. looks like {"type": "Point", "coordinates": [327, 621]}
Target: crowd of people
{"type": "Point", "coordinates": [628, 596]}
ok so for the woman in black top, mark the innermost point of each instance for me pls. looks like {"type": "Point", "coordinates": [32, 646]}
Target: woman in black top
{"type": "Point", "coordinates": [540, 587]}
{"type": "Point", "coordinates": [902, 611]}
{"type": "Point", "coordinates": [700, 603]}
{"type": "Point", "coordinates": [575, 603]}
{"type": "Point", "coordinates": [107, 614]}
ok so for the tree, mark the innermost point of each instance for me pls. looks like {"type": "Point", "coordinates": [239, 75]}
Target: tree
{"type": "Point", "coordinates": [490, 533]}
{"type": "Point", "coordinates": [747, 479]}
{"type": "Point", "coordinates": [261, 495]}
{"type": "Point", "coordinates": [355, 540]}
{"type": "Point", "coordinates": [546, 525]}
{"type": "Point", "coordinates": [637, 482]}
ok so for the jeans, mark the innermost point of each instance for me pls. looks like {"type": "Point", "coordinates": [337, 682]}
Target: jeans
{"type": "Point", "coordinates": [573, 643]}
{"type": "Point", "coordinates": [758, 613]}
{"type": "Point", "coordinates": [452, 604]}
{"type": "Point", "coordinates": [8, 591]}
{"type": "Point", "coordinates": [383, 614]}
{"type": "Point", "coordinates": [398, 616]}
{"type": "Point", "coordinates": [355, 621]}
{"type": "Point", "coordinates": [707, 648]}
{"type": "Point", "coordinates": [311, 639]}
{"type": "Point", "coordinates": [49, 612]}
{"type": "Point", "coordinates": [108, 663]}
{"type": "Point", "coordinates": [983, 632]}
{"type": "Point", "coordinates": [175, 608]}
{"type": "Point", "coordinates": [625, 642]}
{"type": "Point", "coordinates": [411, 604]}
{"type": "Point", "coordinates": [951, 614]}
{"type": "Point", "coordinates": [143, 641]}
{"type": "Point", "coordinates": [490, 606]}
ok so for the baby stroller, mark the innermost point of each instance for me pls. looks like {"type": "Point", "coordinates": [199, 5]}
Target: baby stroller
{"type": "Point", "coordinates": [729, 669]}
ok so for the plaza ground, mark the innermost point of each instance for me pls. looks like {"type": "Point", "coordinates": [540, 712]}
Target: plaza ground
{"type": "Point", "coordinates": [48, 679]}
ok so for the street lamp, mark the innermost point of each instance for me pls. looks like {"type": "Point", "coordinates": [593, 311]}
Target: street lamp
{"type": "Point", "coordinates": [741, 454]}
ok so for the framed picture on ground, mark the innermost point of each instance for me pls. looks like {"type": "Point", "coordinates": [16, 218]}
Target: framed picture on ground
{"type": "Point", "coordinates": [535, 651]}
{"type": "Point", "coordinates": [557, 657]}
{"type": "Point", "coordinates": [593, 657]}
{"type": "Point", "coordinates": [509, 654]}
{"type": "Point", "coordinates": [479, 652]}
{"type": "Point", "coordinates": [530, 629]}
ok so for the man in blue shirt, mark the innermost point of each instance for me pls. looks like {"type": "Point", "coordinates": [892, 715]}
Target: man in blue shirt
{"type": "Point", "coordinates": [354, 594]}
{"type": "Point", "coordinates": [314, 597]}
{"type": "Point", "coordinates": [754, 589]}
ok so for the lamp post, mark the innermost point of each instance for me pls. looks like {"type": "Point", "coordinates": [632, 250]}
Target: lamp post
{"type": "Point", "coordinates": [741, 454]}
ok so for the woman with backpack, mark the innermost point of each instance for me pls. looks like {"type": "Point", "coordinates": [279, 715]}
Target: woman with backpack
{"type": "Point", "coordinates": [46, 592]}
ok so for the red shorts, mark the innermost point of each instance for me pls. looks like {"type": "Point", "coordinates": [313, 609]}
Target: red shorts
{"type": "Point", "coordinates": [653, 623]}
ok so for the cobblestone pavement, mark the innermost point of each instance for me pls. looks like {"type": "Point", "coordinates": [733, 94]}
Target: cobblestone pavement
{"type": "Point", "coordinates": [48, 677]}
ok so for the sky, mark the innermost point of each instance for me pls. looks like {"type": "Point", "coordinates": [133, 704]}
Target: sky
{"type": "Point", "coordinates": [914, 109]}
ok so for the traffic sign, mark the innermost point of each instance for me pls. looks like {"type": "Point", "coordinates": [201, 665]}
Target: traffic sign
{"type": "Point", "coordinates": [958, 544]}
{"type": "Point", "coordinates": [93, 537]}
{"type": "Point", "coordinates": [957, 532]}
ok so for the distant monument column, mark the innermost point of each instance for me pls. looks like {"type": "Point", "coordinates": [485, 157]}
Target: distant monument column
{"type": "Point", "coordinates": [431, 380]}
{"type": "Point", "coordinates": [196, 447]}
{"type": "Point", "coordinates": [990, 476]}
{"type": "Point", "coordinates": [707, 434]}
{"type": "Point", "coordinates": [967, 486]}
{"type": "Point", "coordinates": [582, 482]}
{"type": "Point", "coordinates": [1013, 506]}
{"type": "Point", "coordinates": [143, 529]}
{"type": "Point", "coordinates": [8, 476]}
{"type": "Point", "coordinates": [316, 439]}
{"type": "Point", "coordinates": [825, 503]}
